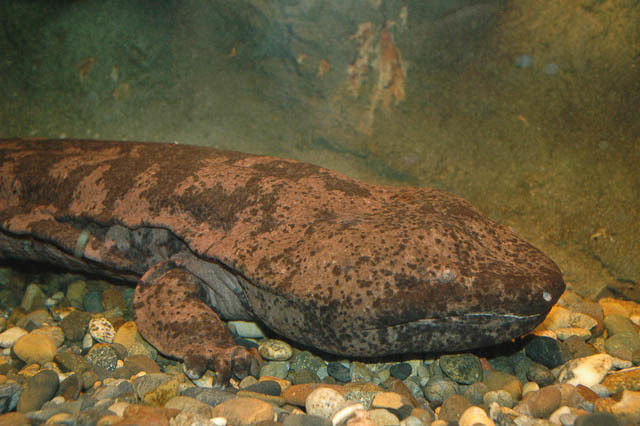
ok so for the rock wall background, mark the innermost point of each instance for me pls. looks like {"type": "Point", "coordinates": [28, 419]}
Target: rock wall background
{"type": "Point", "coordinates": [529, 109]}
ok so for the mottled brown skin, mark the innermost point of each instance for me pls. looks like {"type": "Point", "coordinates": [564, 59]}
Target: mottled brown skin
{"type": "Point", "coordinates": [340, 265]}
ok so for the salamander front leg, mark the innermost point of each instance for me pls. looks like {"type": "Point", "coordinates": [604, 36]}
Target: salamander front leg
{"type": "Point", "coordinates": [172, 316]}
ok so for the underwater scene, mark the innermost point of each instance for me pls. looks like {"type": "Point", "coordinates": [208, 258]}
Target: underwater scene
{"type": "Point", "coordinates": [303, 212]}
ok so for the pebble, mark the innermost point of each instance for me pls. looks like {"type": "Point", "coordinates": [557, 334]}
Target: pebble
{"type": "Point", "coordinates": [306, 359]}
{"type": "Point", "coordinates": [324, 402]}
{"type": "Point", "coordinates": [54, 333]}
{"type": "Point", "coordinates": [163, 393]}
{"type": "Point", "coordinates": [560, 318]}
{"type": "Point", "coordinates": [566, 333]}
{"type": "Point", "coordinates": [92, 302]}
{"type": "Point", "coordinates": [138, 363]}
{"type": "Point", "coordinates": [476, 392]}
{"type": "Point", "coordinates": [136, 414]}
{"type": "Point", "coordinates": [301, 419]}
{"type": "Point", "coordinates": [10, 336]}
{"type": "Point", "coordinates": [616, 323]}
{"type": "Point", "coordinates": [578, 348]}
{"type": "Point", "coordinates": [540, 374]}
{"type": "Point", "coordinates": [146, 383]}
{"type": "Point", "coordinates": [246, 329]}
{"type": "Point", "coordinates": [502, 397]}
{"type": "Point", "coordinates": [113, 299]}
{"type": "Point", "coordinates": [68, 361]}
{"type": "Point", "coordinates": [191, 405]}
{"type": "Point", "coordinates": [267, 387]}
{"type": "Point", "coordinates": [10, 392]}
{"type": "Point", "coordinates": [35, 348]}
{"type": "Point", "coordinates": [597, 419]}
{"type": "Point", "coordinates": [70, 388]}
{"type": "Point", "coordinates": [103, 356]}
{"type": "Point", "coordinates": [101, 329]}
{"type": "Point", "coordinates": [383, 375]}
{"type": "Point", "coordinates": [14, 419]}
{"type": "Point", "coordinates": [339, 371]}
{"type": "Point", "coordinates": [401, 371]}
{"type": "Point", "coordinates": [627, 408]}
{"type": "Point", "coordinates": [439, 389]}
{"type": "Point", "coordinates": [400, 387]}
{"type": "Point", "coordinates": [75, 293]}
{"type": "Point", "coordinates": [74, 325]}
{"type": "Point", "coordinates": [623, 345]}
{"type": "Point", "coordinates": [87, 342]}
{"type": "Point", "coordinates": [617, 381]}
{"type": "Point", "coordinates": [529, 387]}
{"type": "Point", "coordinates": [379, 417]}
{"type": "Point", "coordinates": [462, 368]}
{"type": "Point", "coordinates": [347, 411]}
{"type": "Point", "coordinates": [360, 373]}
{"type": "Point", "coordinates": [546, 351]}
{"type": "Point", "coordinates": [142, 348]}
{"type": "Point", "coordinates": [395, 403]}
{"type": "Point", "coordinates": [587, 371]}
{"type": "Point", "coordinates": [127, 335]}
{"type": "Point", "coordinates": [278, 369]}
{"type": "Point", "coordinates": [245, 411]}
{"type": "Point", "coordinates": [453, 407]}
{"type": "Point", "coordinates": [412, 421]}
{"type": "Point", "coordinates": [38, 390]}
{"type": "Point", "coordinates": [275, 350]}
{"type": "Point", "coordinates": [593, 375]}
{"type": "Point", "coordinates": [284, 383]}
{"type": "Point", "coordinates": [303, 376]}
{"type": "Point", "coordinates": [364, 393]}
{"type": "Point", "coordinates": [208, 396]}
{"type": "Point", "coordinates": [34, 319]}
{"type": "Point", "coordinates": [33, 297]}
{"type": "Point", "coordinates": [475, 416]}
{"type": "Point", "coordinates": [541, 403]}
{"type": "Point", "coordinates": [298, 394]}
{"type": "Point", "coordinates": [115, 389]}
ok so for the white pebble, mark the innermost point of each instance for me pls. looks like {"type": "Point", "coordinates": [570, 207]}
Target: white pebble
{"type": "Point", "coordinates": [101, 329]}
{"type": "Point", "coordinates": [475, 416]}
{"type": "Point", "coordinates": [324, 402]}
{"type": "Point", "coordinates": [344, 413]}
{"type": "Point", "coordinates": [587, 371]}
{"type": "Point", "coordinates": [10, 336]}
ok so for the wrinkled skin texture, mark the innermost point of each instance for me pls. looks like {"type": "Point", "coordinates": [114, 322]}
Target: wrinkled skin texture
{"type": "Point", "coordinates": [333, 263]}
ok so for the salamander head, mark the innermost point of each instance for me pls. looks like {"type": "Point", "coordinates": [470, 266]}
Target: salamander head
{"type": "Point", "coordinates": [446, 280]}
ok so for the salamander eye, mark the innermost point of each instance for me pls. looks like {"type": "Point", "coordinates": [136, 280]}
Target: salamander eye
{"type": "Point", "coordinates": [546, 296]}
{"type": "Point", "coordinates": [447, 276]}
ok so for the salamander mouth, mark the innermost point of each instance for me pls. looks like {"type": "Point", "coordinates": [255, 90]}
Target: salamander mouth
{"type": "Point", "coordinates": [443, 334]}
{"type": "Point", "coordinates": [474, 316]}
